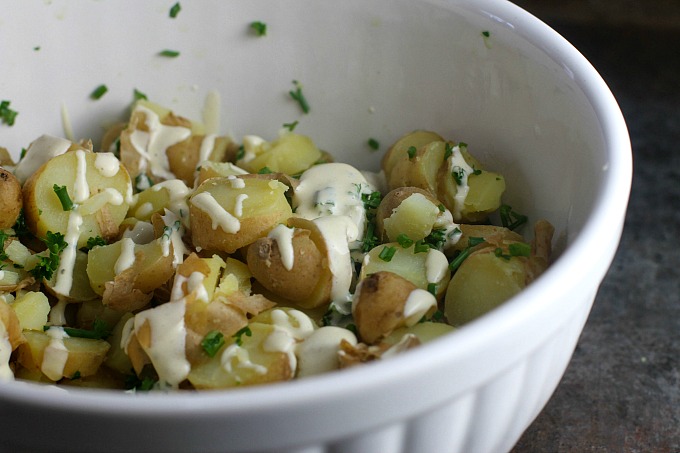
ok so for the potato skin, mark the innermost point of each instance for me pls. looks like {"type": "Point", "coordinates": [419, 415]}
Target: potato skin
{"type": "Point", "coordinates": [298, 283]}
{"type": "Point", "coordinates": [379, 305]}
{"type": "Point", "coordinates": [11, 199]}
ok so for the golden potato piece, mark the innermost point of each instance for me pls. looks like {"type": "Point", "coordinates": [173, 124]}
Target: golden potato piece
{"type": "Point", "coordinates": [227, 214]}
{"type": "Point", "coordinates": [95, 183]}
{"type": "Point", "coordinates": [11, 200]}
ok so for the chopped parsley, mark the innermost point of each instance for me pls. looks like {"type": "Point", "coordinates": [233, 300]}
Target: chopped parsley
{"type": "Point", "coordinates": [98, 92]}
{"type": "Point", "coordinates": [259, 28]}
{"type": "Point", "coordinates": [174, 11]}
{"type": "Point", "coordinates": [458, 174]}
{"type": "Point", "coordinates": [462, 256]}
{"type": "Point", "coordinates": [387, 253]}
{"type": "Point", "coordinates": [373, 144]}
{"type": "Point", "coordinates": [238, 336]}
{"type": "Point", "coordinates": [169, 53]}
{"type": "Point", "coordinates": [47, 265]}
{"type": "Point", "coordinates": [297, 95]}
{"type": "Point", "coordinates": [511, 219]}
{"type": "Point", "coordinates": [7, 115]}
{"type": "Point", "coordinates": [62, 193]}
{"type": "Point", "coordinates": [411, 151]}
{"type": "Point", "coordinates": [138, 95]}
{"type": "Point", "coordinates": [404, 240]}
{"type": "Point", "coordinates": [212, 342]}
{"type": "Point", "coordinates": [291, 126]}
{"type": "Point", "coordinates": [20, 228]}
{"type": "Point", "coordinates": [95, 241]}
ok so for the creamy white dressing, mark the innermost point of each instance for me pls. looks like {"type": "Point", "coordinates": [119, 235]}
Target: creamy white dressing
{"type": "Point", "coordinates": [5, 353]}
{"type": "Point", "coordinates": [251, 147]}
{"type": "Point", "coordinates": [127, 256]}
{"type": "Point", "coordinates": [236, 353]}
{"type": "Point", "coordinates": [338, 232]}
{"type": "Point", "coordinates": [195, 285]}
{"type": "Point", "coordinates": [452, 231]}
{"type": "Point", "coordinates": [333, 189]}
{"type": "Point", "coordinates": [168, 337]}
{"type": "Point", "coordinates": [238, 205]}
{"type": "Point", "coordinates": [282, 340]}
{"type": "Point", "coordinates": [236, 183]}
{"type": "Point", "coordinates": [173, 235]}
{"type": "Point", "coordinates": [55, 355]}
{"type": "Point", "coordinates": [152, 146]}
{"type": "Point", "coordinates": [318, 353]}
{"type": "Point", "coordinates": [96, 202]}
{"type": "Point", "coordinates": [207, 146]}
{"type": "Point", "coordinates": [140, 233]}
{"type": "Point", "coordinates": [457, 161]}
{"type": "Point", "coordinates": [40, 151]}
{"type": "Point", "coordinates": [107, 164]}
{"type": "Point", "coordinates": [436, 266]}
{"type": "Point", "coordinates": [67, 260]}
{"type": "Point", "coordinates": [57, 314]}
{"type": "Point", "coordinates": [284, 240]}
{"type": "Point", "coordinates": [144, 209]}
{"type": "Point", "coordinates": [178, 192]}
{"type": "Point", "coordinates": [402, 345]}
{"type": "Point", "coordinates": [418, 303]}
{"type": "Point", "coordinates": [282, 319]}
{"type": "Point", "coordinates": [220, 217]}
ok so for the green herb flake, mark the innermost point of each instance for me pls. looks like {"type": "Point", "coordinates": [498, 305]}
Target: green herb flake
{"type": "Point", "coordinates": [98, 92]}
{"type": "Point", "coordinates": [370, 239]}
{"type": "Point", "coordinates": [448, 151]}
{"type": "Point", "coordinates": [212, 342]}
{"type": "Point", "coordinates": [387, 253]}
{"type": "Point", "coordinates": [511, 219]}
{"type": "Point", "coordinates": [138, 95]}
{"type": "Point", "coordinates": [373, 144]}
{"type": "Point", "coordinates": [486, 33]}
{"type": "Point", "coordinates": [264, 171]}
{"type": "Point", "coordinates": [174, 11]}
{"type": "Point", "coordinates": [432, 288]}
{"type": "Point", "coordinates": [297, 95]}
{"type": "Point", "coordinates": [436, 239]}
{"type": "Point", "coordinates": [100, 331]}
{"type": "Point", "coordinates": [291, 126]}
{"type": "Point", "coordinates": [7, 115]}
{"type": "Point", "coordinates": [47, 265]}
{"type": "Point", "coordinates": [240, 153]}
{"type": "Point", "coordinates": [404, 240]}
{"type": "Point", "coordinates": [420, 247]}
{"type": "Point", "coordinates": [411, 151]}
{"type": "Point", "coordinates": [519, 249]}
{"type": "Point", "coordinates": [62, 193]}
{"type": "Point", "coordinates": [96, 241]}
{"type": "Point", "coordinates": [75, 376]}
{"type": "Point", "coordinates": [238, 336]}
{"type": "Point", "coordinates": [458, 174]}
{"type": "Point", "coordinates": [372, 200]}
{"type": "Point", "coordinates": [438, 316]}
{"type": "Point", "coordinates": [169, 53]}
{"type": "Point", "coordinates": [473, 241]}
{"type": "Point", "coordinates": [259, 28]}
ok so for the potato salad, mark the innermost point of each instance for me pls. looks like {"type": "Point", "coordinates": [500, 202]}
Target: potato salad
{"type": "Point", "coordinates": [171, 258]}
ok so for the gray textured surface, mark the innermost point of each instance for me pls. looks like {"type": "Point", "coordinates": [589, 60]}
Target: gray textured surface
{"type": "Point", "coordinates": [621, 392]}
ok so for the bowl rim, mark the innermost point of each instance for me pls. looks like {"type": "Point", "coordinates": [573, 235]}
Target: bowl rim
{"type": "Point", "coordinates": [609, 207]}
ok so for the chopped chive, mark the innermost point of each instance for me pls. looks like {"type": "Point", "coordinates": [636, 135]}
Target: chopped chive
{"type": "Point", "coordinates": [169, 53]}
{"type": "Point", "coordinates": [519, 249]}
{"type": "Point", "coordinates": [432, 288]}
{"type": "Point", "coordinates": [421, 247]}
{"type": "Point", "coordinates": [238, 336]}
{"type": "Point", "coordinates": [240, 153]}
{"type": "Point", "coordinates": [387, 253]}
{"type": "Point", "coordinates": [212, 342]}
{"type": "Point", "coordinates": [62, 193]}
{"type": "Point", "coordinates": [448, 151]}
{"type": "Point", "coordinates": [441, 207]}
{"type": "Point", "coordinates": [291, 126]}
{"type": "Point", "coordinates": [373, 144]}
{"type": "Point", "coordinates": [259, 28]}
{"type": "Point", "coordinates": [511, 219]}
{"type": "Point", "coordinates": [297, 95]}
{"type": "Point", "coordinates": [462, 256]}
{"type": "Point", "coordinates": [174, 11]}
{"type": "Point", "coordinates": [404, 240]}
{"type": "Point", "coordinates": [264, 171]}
{"type": "Point", "coordinates": [99, 92]}
{"type": "Point", "coordinates": [411, 151]}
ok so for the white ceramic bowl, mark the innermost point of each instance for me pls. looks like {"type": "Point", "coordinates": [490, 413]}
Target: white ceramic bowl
{"type": "Point", "coordinates": [524, 99]}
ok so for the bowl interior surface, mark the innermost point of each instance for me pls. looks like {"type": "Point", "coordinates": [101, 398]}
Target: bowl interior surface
{"type": "Point", "coordinates": [523, 99]}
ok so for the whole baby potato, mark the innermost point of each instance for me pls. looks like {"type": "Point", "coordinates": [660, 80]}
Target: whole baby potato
{"type": "Point", "coordinates": [267, 265]}
{"type": "Point", "coordinates": [10, 199]}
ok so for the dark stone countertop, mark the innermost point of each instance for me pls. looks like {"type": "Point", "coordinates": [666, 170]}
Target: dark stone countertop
{"type": "Point", "coordinates": [621, 392]}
